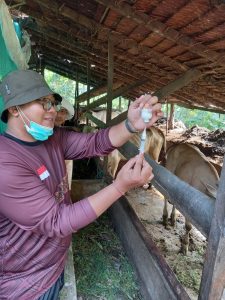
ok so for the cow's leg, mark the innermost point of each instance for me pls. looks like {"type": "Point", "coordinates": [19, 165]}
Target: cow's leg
{"type": "Point", "coordinates": [186, 237]}
{"type": "Point", "coordinates": [173, 216]}
{"type": "Point", "coordinates": [165, 213]}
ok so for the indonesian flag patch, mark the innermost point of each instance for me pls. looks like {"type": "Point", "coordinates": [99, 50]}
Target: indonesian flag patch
{"type": "Point", "coordinates": [43, 172]}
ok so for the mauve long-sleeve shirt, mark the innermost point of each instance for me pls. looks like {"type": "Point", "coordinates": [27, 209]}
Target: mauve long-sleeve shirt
{"type": "Point", "coordinates": [36, 214]}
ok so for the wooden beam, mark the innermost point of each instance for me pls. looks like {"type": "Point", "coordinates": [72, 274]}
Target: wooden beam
{"type": "Point", "coordinates": [53, 51]}
{"type": "Point", "coordinates": [118, 92]}
{"type": "Point", "coordinates": [98, 122]}
{"type": "Point", "coordinates": [99, 61]}
{"type": "Point", "coordinates": [186, 78]}
{"type": "Point", "coordinates": [213, 278]}
{"type": "Point", "coordinates": [97, 91]}
{"type": "Point", "coordinates": [198, 107]}
{"type": "Point", "coordinates": [161, 29]}
{"type": "Point", "coordinates": [118, 119]}
{"type": "Point", "coordinates": [68, 71]}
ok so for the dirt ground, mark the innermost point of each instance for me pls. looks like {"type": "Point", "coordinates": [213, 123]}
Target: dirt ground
{"type": "Point", "coordinates": [148, 205]}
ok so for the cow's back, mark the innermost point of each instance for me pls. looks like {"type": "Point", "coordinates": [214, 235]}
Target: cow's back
{"type": "Point", "coordinates": [189, 164]}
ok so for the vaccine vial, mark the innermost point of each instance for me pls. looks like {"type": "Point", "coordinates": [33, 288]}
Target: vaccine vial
{"type": "Point", "coordinates": [146, 113]}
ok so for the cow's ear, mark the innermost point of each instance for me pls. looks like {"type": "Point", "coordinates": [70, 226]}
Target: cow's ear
{"type": "Point", "coordinates": [211, 191]}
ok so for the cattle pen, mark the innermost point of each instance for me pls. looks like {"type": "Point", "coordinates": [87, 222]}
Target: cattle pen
{"type": "Point", "coordinates": [174, 50]}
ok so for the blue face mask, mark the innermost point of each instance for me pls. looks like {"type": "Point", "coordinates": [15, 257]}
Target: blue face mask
{"type": "Point", "coordinates": [37, 131]}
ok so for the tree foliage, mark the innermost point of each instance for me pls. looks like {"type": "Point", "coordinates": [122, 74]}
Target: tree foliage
{"type": "Point", "coordinates": [191, 117]}
{"type": "Point", "coordinates": [62, 85]}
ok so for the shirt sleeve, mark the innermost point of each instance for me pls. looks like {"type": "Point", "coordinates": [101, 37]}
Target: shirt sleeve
{"type": "Point", "coordinates": [26, 201]}
{"type": "Point", "coordinates": [79, 145]}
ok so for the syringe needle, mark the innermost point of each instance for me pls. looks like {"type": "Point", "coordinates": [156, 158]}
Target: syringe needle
{"type": "Point", "coordinates": [143, 139]}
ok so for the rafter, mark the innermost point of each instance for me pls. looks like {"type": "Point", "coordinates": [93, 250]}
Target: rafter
{"type": "Point", "coordinates": [117, 36]}
{"type": "Point", "coordinates": [86, 38]}
{"type": "Point", "coordinates": [160, 81]}
{"type": "Point", "coordinates": [164, 31]}
{"type": "Point", "coordinates": [120, 38]}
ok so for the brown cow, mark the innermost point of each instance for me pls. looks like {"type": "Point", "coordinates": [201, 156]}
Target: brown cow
{"type": "Point", "coordinates": [189, 164]}
{"type": "Point", "coordinates": [155, 141]}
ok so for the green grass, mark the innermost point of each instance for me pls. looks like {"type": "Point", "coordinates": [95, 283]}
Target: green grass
{"type": "Point", "coordinates": [101, 266]}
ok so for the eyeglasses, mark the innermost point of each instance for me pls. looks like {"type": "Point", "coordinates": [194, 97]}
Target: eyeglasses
{"type": "Point", "coordinates": [48, 104]}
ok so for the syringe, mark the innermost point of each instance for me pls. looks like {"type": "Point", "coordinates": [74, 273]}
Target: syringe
{"type": "Point", "coordinates": [143, 139]}
{"type": "Point", "coordinates": [146, 114]}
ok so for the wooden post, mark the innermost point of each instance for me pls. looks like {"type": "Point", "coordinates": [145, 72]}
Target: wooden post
{"type": "Point", "coordinates": [42, 66]}
{"type": "Point", "coordinates": [109, 89]}
{"type": "Point", "coordinates": [171, 117]}
{"type": "Point", "coordinates": [88, 84]}
{"type": "Point", "coordinates": [110, 79]}
{"type": "Point", "coordinates": [77, 86]}
{"type": "Point", "coordinates": [76, 103]}
{"type": "Point", "coordinates": [120, 102]}
{"type": "Point", "coordinates": [167, 112]}
{"type": "Point", "coordinates": [213, 275]}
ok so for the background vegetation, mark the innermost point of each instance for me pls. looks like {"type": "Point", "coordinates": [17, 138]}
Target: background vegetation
{"type": "Point", "coordinates": [190, 117]}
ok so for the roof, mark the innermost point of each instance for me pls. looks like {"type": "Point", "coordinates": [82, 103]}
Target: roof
{"type": "Point", "coordinates": [154, 43]}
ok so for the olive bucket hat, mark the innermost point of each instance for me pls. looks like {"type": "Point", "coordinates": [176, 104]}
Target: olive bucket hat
{"type": "Point", "coordinates": [21, 87]}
